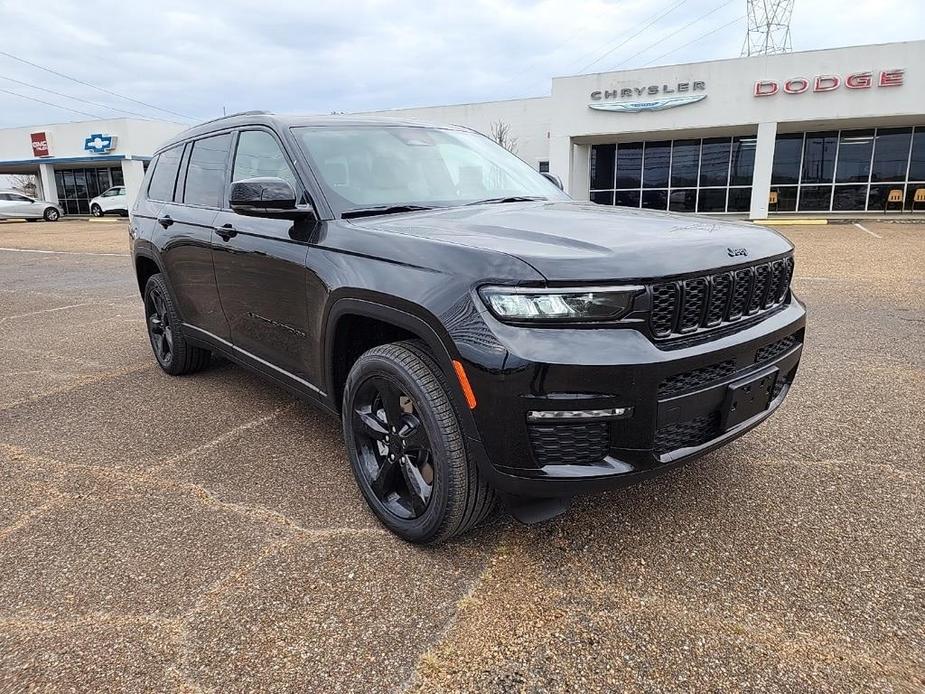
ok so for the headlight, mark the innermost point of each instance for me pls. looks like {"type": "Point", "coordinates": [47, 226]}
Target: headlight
{"type": "Point", "coordinates": [575, 305]}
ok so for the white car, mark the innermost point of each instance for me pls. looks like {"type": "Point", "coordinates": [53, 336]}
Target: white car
{"type": "Point", "coordinates": [113, 200]}
{"type": "Point", "coordinates": [15, 205]}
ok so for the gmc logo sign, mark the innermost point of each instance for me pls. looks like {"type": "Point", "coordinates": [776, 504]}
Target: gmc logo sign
{"type": "Point", "coordinates": [829, 83]}
{"type": "Point", "coordinates": [39, 145]}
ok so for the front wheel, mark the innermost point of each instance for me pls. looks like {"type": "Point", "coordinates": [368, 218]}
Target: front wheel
{"type": "Point", "coordinates": [51, 214]}
{"type": "Point", "coordinates": [407, 448]}
{"type": "Point", "coordinates": [96, 210]}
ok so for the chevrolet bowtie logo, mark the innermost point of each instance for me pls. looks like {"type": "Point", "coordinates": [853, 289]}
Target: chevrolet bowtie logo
{"type": "Point", "coordinates": [98, 143]}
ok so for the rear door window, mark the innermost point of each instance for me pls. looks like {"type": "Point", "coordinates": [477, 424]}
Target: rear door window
{"type": "Point", "coordinates": [164, 177]}
{"type": "Point", "coordinates": [205, 176]}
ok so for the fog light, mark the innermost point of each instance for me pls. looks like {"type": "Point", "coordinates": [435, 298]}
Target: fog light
{"type": "Point", "coordinates": [608, 413]}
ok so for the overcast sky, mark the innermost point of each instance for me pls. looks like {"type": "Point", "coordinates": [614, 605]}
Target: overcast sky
{"type": "Point", "coordinates": [194, 58]}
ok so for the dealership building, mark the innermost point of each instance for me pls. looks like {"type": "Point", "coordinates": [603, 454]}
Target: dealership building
{"type": "Point", "coordinates": [75, 162]}
{"type": "Point", "coordinates": [837, 131]}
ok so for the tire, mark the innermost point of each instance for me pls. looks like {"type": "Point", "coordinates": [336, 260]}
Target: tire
{"type": "Point", "coordinates": [123, 213]}
{"type": "Point", "coordinates": [96, 211]}
{"type": "Point", "coordinates": [51, 214]}
{"type": "Point", "coordinates": [459, 497]}
{"type": "Point", "coordinates": [171, 350]}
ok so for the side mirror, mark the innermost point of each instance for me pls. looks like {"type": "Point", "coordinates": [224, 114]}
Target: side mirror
{"type": "Point", "coordinates": [266, 197]}
{"type": "Point", "coordinates": [552, 178]}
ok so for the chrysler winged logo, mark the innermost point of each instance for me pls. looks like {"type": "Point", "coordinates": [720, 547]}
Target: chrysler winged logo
{"type": "Point", "coordinates": [653, 105]}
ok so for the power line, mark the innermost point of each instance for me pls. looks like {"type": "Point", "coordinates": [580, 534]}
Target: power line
{"type": "Point", "coordinates": [699, 38]}
{"type": "Point", "coordinates": [674, 33]}
{"type": "Point", "coordinates": [75, 98]}
{"type": "Point", "coordinates": [632, 36]}
{"type": "Point", "coordinates": [48, 103]}
{"type": "Point", "coordinates": [93, 86]}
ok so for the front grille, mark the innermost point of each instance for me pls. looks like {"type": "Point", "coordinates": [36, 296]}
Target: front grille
{"type": "Point", "coordinates": [694, 432]}
{"type": "Point", "coordinates": [569, 444]}
{"type": "Point", "coordinates": [775, 349]}
{"type": "Point", "coordinates": [696, 379]}
{"type": "Point", "coordinates": [687, 306]}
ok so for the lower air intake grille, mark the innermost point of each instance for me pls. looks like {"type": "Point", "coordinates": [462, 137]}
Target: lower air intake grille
{"type": "Point", "coordinates": [569, 444]}
{"type": "Point", "coordinates": [693, 432]}
{"type": "Point", "coordinates": [693, 380]}
{"type": "Point", "coordinates": [775, 349]}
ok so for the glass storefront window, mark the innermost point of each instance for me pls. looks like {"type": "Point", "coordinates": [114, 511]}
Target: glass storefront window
{"type": "Point", "coordinates": [602, 163]}
{"type": "Point", "coordinates": [854, 151]}
{"type": "Point", "coordinates": [683, 200]}
{"type": "Point", "coordinates": [655, 199]}
{"type": "Point", "coordinates": [656, 161]}
{"type": "Point", "coordinates": [850, 198]}
{"type": "Point", "coordinates": [743, 161]}
{"type": "Point", "coordinates": [819, 157]}
{"type": "Point", "coordinates": [917, 163]}
{"type": "Point", "coordinates": [891, 154]}
{"type": "Point", "coordinates": [864, 165]}
{"type": "Point", "coordinates": [788, 151]}
{"type": "Point", "coordinates": [685, 162]}
{"type": "Point", "coordinates": [711, 200]}
{"type": "Point", "coordinates": [76, 187]}
{"type": "Point", "coordinates": [627, 198]}
{"type": "Point", "coordinates": [602, 197]}
{"type": "Point", "coordinates": [714, 162]}
{"type": "Point", "coordinates": [629, 166]}
{"type": "Point", "coordinates": [815, 198]}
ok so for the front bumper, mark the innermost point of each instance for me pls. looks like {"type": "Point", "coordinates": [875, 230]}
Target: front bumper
{"type": "Point", "coordinates": [677, 400]}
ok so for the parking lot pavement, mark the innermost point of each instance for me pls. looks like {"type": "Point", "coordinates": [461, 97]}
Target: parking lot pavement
{"type": "Point", "coordinates": [205, 533]}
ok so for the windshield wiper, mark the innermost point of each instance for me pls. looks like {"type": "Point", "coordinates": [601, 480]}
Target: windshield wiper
{"type": "Point", "coordinates": [383, 209]}
{"type": "Point", "coordinates": [509, 198]}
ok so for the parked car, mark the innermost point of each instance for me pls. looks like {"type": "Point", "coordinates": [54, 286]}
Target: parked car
{"type": "Point", "coordinates": [15, 205]}
{"type": "Point", "coordinates": [112, 201]}
{"type": "Point", "coordinates": [481, 335]}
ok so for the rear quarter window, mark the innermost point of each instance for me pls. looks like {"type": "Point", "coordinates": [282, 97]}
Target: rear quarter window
{"type": "Point", "coordinates": [164, 178]}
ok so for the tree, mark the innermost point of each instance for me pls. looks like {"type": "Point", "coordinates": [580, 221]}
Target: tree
{"type": "Point", "coordinates": [24, 183]}
{"type": "Point", "coordinates": [501, 133]}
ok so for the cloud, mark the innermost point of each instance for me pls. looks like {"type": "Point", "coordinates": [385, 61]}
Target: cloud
{"type": "Point", "coordinates": [293, 56]}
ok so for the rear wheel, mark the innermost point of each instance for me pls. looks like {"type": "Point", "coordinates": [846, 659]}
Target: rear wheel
{"type": "Point", "coordinates": [96, 210]}
{"type": "Point", "coordinates": [173, 353]}
{"type": "Point", "coordinates": [50, 214]}
{"type": "Point", "coordinates": [406, 446]}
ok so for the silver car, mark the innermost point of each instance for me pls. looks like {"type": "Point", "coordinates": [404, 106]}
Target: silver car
{"type": "Point", "coordinates": [15, 205]}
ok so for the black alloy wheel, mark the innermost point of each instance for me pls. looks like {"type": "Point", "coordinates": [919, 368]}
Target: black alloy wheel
{"type": "Point", "coordinates": [407, 448]}
{"type": "Point", "coordinates": [395, 452]}
{"type": "Point", "coordinates": [174, 354]}
{"type": "Point", "coordinates": [160, 329]}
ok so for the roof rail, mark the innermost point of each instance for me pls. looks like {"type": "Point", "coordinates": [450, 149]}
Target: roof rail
{"type": "Point", "coordinates": [234, 115]}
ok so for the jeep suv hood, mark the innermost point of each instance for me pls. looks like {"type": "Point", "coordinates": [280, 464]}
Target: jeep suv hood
{"type": "Point", "coordinates": [572, 241]}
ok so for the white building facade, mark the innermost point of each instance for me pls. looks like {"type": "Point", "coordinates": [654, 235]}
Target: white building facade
{"type": "Point", "coordinates": [817, 132]}
{"type": "Point", "coordinates": [75, 162]}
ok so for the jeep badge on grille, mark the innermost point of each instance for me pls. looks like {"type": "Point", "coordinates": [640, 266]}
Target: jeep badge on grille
{"type": "Point", "coordinates": [733, 252]}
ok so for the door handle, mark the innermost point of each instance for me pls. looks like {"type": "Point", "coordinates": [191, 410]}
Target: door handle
{"type": "Point", "coordinates": [165, 221]}
{"type": "Point", "coordinates": [226, 231]}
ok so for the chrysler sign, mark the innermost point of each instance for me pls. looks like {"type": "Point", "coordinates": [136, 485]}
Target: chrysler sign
{"type": "Point", "coordinates": [659, 97]}
{"type": "Point", "coordinates": [829, 83]}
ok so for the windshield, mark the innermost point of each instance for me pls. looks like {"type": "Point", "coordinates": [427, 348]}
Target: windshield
{"type": "Point", "coordinates": [363, 167]}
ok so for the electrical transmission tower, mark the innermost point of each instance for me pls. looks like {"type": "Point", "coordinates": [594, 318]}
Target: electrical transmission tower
{"type": "Point", "coordinates": [768, 27]}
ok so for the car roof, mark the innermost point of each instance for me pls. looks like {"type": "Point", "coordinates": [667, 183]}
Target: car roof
{"type": "Point", "coordinates": [282, 122]}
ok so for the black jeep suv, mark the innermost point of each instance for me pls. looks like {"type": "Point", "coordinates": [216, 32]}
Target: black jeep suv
{"type": "Point", "coordinates": [480, 334]}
